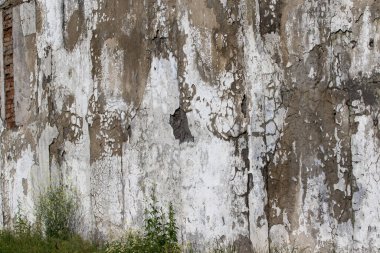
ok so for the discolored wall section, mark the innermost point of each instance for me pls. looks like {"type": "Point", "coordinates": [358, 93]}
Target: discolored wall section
{"type": "Point", "coordinates": [257, 119]}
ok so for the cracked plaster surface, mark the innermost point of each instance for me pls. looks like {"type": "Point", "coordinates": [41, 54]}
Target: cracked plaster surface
{"type": "Point", "coordinates": [257, 119]}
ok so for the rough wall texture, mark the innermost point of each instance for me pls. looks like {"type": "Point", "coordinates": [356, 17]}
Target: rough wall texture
{"type": "Point", "coordinates": [258, 119]}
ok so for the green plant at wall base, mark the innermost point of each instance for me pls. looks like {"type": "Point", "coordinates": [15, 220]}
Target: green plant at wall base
{"type": "Point", "coordinates": [22, 226]}
{"type": "Point", "coordinates": [160, 234]}
{"type": "Point", "coordinates": [154, 218]}
{"type": "Point", "coordinates": [56, 211]}
{"type": "Point", "coordinates": [171, 229]}
{"type": "Point", "coordinates": [28, 238]}
{"type": "Point", "coordinates": [54, 230]}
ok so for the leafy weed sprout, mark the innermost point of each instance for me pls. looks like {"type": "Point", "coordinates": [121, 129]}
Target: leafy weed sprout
{"type": "Point", "coordinates": [160, 233]}
{"type": "Point", "coordinates": [57, 212]}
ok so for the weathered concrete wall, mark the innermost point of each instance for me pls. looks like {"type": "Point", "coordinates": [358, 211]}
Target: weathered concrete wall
{"type": "Point", "coordinates": [258, 119]}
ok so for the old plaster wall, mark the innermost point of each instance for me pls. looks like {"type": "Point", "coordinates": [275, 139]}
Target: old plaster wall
{"type": "Point", "coordinates": [257, 119]}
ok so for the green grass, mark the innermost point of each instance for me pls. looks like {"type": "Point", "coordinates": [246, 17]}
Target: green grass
{"type": "Point", "coordinates": [10, 242]}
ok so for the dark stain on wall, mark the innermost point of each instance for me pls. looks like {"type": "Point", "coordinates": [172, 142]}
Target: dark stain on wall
{"type": "Point", "coordinates": [180, 125]}
{"type": "Point", "coordinates": [131, 39]}
{"type": "Point", "coordinates": [318, 113]}
{"type": "Point", "coordinates": [243, 244]}
{"type": "Point", "coordinates": [75, 27]}
{"type": "Point", "coordinates": [270, 16]}
{"type": "Point", "coordinates": [106, 134]}
{"type": "Point", "coordinates": [39, 18]}
{"type": "Point", "coordinates": [365, 87]}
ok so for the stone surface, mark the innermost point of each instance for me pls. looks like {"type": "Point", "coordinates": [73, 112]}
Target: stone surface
{"type": "Point", "coordinates": [259, 120]}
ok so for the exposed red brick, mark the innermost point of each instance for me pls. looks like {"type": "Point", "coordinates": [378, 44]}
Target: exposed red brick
{"type": "Point", "coordinates": [8, 68]}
